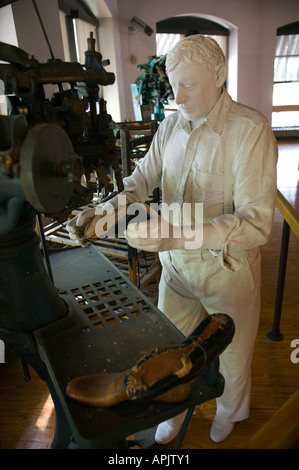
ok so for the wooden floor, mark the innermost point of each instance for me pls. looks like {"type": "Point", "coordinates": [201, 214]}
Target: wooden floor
{"type": "Point", "coordinates": [27, 417]}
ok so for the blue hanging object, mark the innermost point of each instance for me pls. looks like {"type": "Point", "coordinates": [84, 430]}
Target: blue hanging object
{"type": "Point", "coordinates": [158, 112]}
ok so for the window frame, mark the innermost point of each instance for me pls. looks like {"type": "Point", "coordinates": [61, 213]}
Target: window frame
{"type": "Point", "coordinates": [287, 30]}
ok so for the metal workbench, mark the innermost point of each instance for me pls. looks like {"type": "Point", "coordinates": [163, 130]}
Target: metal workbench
{"type": "Point", "coordinates": [110, 327]}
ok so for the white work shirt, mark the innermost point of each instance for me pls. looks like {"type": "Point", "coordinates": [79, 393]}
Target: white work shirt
{"type": "Point", "coordinates": [228, 163]}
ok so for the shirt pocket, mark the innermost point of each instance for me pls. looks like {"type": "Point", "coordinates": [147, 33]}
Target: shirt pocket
{"type": "Point", "coordinates": [208, 189]}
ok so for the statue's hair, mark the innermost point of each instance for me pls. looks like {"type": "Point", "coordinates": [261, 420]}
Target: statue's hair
{"type": "Point", "coordinates": [196, 49]}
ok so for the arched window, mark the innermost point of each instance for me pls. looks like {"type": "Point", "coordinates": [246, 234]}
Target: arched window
{"type": "Point", "coordinates": [285, 101]}
{"type": "Point", "coordinates": [171, 30]}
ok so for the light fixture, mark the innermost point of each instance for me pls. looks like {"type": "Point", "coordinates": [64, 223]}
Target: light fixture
{"type": "Point", "coordinates": [138, 25]}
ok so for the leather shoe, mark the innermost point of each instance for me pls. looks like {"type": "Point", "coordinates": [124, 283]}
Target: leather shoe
{"type": "Point", "coordinates": [164, 374]}
{"type": "Point", "coordinates": [168, 367]}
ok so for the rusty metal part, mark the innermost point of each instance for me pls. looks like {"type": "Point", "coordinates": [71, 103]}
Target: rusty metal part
{"type": "Point", "coordinates": [49, 168]}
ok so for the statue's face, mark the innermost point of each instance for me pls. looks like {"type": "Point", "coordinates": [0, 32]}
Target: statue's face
{"type": "Point", "coordinates": [196, 91]}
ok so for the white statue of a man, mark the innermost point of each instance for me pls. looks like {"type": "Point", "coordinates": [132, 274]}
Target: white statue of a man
{"type": "Point", "coordinates": [223, 155]}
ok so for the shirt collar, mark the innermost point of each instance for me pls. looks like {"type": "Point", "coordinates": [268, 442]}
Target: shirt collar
{"type": "Point", "coordinates": [216, 117]}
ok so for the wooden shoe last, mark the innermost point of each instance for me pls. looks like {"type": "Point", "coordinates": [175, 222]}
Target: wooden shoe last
{"type": "Point", "coordinates": [164, 374]}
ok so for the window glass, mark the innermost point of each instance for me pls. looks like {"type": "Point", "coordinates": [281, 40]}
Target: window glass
{"type": "Point", "coordinates": [285, 99]}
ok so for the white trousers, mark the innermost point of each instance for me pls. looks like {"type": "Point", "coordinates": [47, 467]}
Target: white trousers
{"type": "Point", "coordinates": [191, 286]}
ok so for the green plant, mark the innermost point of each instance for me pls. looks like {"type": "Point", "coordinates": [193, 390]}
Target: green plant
{"type": "Point", "coordinates": [153, 85]}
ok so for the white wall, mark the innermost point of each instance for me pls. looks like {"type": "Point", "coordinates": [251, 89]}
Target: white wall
{"type": "Point", "coordinates": [107, 47]}
{"type": "Point", "coordinates": [7, 26]}
{"type": "Point", "coordinates": [29, 33]}
{"type": "Point", "coordinates": [253, 23]}
{"type": "Point", "coordinates": [7, 35]}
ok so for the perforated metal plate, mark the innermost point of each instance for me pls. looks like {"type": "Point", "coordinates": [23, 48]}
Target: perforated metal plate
{"type": "Point", "coordinates": [108, 302]}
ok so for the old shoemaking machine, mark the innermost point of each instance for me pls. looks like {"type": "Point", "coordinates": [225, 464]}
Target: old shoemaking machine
{"type": "Point", "coordinates": [89, 326]}
{"type": "Point", "coordinates": [46, 147]}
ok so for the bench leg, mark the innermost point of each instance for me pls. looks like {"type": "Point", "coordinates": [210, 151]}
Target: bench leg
{"type": "Point", "coordinates": [184, 428]}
